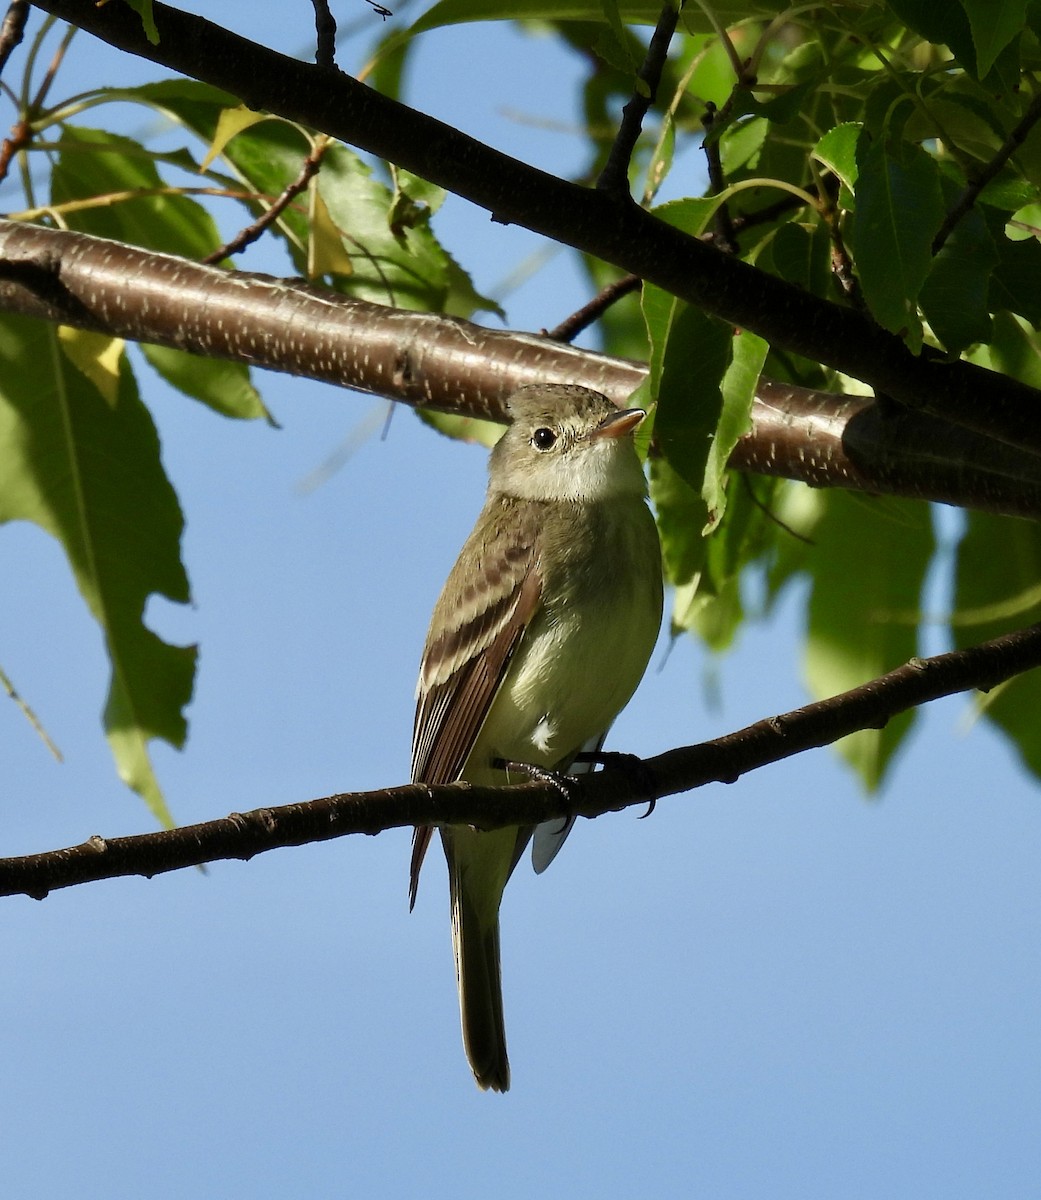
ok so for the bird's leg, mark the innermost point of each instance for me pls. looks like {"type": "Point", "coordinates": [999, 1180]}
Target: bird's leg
{"type": "Point", "coordinates": [539, 774]}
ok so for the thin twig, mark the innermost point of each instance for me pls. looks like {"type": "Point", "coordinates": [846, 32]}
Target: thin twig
{"type": "Point", "coordinates": [30, 716]}
{"type": "Point", "coordinates": [615, 175]}
{"type": "Point", "coordinates": [325, 29]}
{"type": "Point", "coordinates": [724, 760]}
{"type": "Point", "coordinates": [572, 326]}
{"type": "Point", "coordinates": [252, 232]}
{"type": "Point", "coordinates": [52, 71]}
{"type": "Point", "coordinates": [723, 236]}
{"type": "Point", "coordinates": [980, 180]}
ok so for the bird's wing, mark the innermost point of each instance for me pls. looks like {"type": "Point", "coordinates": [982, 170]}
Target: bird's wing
{"type": "Point", "coordinates": [464, 664]}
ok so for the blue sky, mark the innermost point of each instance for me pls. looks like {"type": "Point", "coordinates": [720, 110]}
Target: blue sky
{"type": "Point", "coordinates": [773, 989]}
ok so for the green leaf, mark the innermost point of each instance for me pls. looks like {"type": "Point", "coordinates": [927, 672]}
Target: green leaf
{"type": "Point", "coordinates": [740, 144]}
{"type": "Point", "coordinates": [1015, 349]}
{"type": "Point", "coordinates": [995, 593]}
{"type": "Point", "coordinates": [945, 24]}
{"type": "Point", "coordinates": [619, 54]}
{"type": "Point", "coordinates": [681, 514]}
{"type": "Point", "coordinates": [1013, 284]}
{"type": "Point", "coordinates": [954, 296]}
{"type": "Point", "coordinates": [397, 264]}
{"type": "Point", "coordinates": [225, 386]}
{"type": "Point", "coordinates": [899, 210]}
{"type": "Point", "coordinates": [868, 564]}
{"type": "Point", "coordinates": [635, 12]}
{"type": "Point", "coordinates": [690, 352]}
{"type": "Point", "coordinates": [837, 150]}
{"type": "Point", "coordinates": [995, 24]}
{"type": "Point", "coordinates": [95, 163]}
{"type": "Point", "coordinates": [800, 255]}
{"type": "Point", "coordinates": [144, 10]}
{"type": "Point", "coordinates": [748, 354]}
{"type": "Point", "coordinates": [88, 472]}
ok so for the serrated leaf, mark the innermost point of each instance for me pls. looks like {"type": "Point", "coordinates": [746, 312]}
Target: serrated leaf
{"type": "Point", "coordinates": [837, 150]}
{"type": "Point", "coordinates": [868, 565]}
{"type": "Point", "coordinates": [748, 354]}
{"type": "Point", "coordinates": [143, 8]}
{"type": "Point", "coordinates": [994, 24]}
{"type": "Point", "coordinates": [899, 210]}
{"type": "Point", "coordinates": [89, 474]}
{"type": "Point", "coordinates": [95, 163]}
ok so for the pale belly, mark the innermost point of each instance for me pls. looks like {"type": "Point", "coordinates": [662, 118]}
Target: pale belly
{"type": "Point", "coordinates": [570, 678]}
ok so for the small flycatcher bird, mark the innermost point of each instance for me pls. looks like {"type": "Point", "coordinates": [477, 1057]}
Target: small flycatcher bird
{"type": "Point", "coordinates": [540, 636]}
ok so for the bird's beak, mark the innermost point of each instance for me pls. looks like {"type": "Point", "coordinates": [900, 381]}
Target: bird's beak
{"type": "Point", "coordinates": [618, 424]}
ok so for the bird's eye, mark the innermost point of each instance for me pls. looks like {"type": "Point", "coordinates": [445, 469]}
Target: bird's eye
{"type": "Point", "coordinates": [543, 438]}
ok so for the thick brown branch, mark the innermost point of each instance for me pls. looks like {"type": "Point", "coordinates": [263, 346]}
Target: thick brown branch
{"type": "Point", "coordinates": [455, 366]}
{"type": "Point", "coordinates": [242, 835]}
{"type": "Point", "coordinates": [595, 221]}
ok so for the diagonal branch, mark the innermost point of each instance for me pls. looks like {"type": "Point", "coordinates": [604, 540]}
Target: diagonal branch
{"type": "Point", "coordinates": [609, 226]}
{"type": "Point", "coordinates": [615, 175]}
{"type": "Point", "coordinates": [449, 364]}
{"type": "Point", "coordinates": [988, 173]}
{"type": "Point", "coordinates": [725, 760]}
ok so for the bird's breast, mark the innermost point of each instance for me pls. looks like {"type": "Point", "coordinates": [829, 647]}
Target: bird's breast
{"type": "Point", "coordinates": [587, 647]}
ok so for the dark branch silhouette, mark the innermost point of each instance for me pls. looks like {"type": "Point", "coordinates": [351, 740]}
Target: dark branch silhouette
{"type": "Point", "coordinates": [615, 175]}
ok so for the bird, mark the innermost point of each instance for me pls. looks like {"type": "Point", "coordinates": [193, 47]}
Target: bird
{"type": "Point", "coordinates": [540, 636]}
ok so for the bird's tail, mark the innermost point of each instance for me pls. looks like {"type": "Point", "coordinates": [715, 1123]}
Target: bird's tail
{"type": "Point", "coordinates": [475, 938]}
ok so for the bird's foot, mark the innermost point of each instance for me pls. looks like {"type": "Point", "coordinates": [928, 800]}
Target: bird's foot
{"type": "Point", "coordinates": [640, 776]}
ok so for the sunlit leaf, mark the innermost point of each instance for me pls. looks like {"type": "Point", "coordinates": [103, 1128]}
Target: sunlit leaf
{"type": "Point", "coordinates": [868, 564]}
{"type": "Point", "coordinates": [986, 579]}
{"type": "Point", "coordinates": [88, 472]}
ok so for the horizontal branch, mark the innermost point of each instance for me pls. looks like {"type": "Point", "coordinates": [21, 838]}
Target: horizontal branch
{"type": "Point", "coordinates": [452, 365]}
{"type": "Point", "coordinates": [609, 226]}
{"type": "Point", "coordinates": [725, 760]}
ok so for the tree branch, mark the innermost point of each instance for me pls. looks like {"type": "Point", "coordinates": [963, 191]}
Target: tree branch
{"type": "Point", "coordinates": [615, 175]}
{"type": "Point", "coordinates": [609, 226]}
{"type": "Point", "coordinates": [452, 365]}
{"type": "Point", "coordinates": [725, 760]}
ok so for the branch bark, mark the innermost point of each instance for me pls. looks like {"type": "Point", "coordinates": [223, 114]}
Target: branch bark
{"type": "Point", "coordinates": [725, 760]}
{"type": "Point", "coordinates": [607, 225]}
{"type": "Point", "coordinates": [444, 363]}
